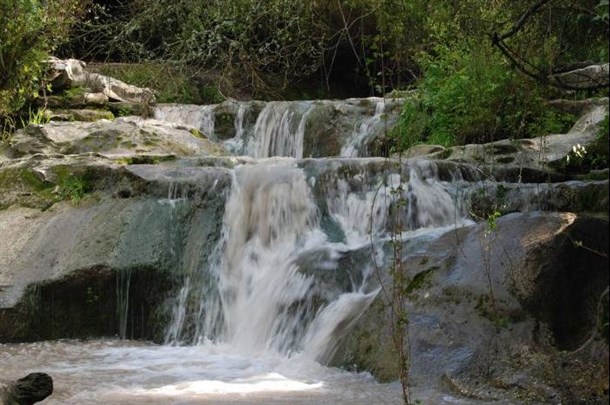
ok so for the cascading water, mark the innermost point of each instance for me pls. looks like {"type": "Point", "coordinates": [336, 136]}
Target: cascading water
{"type": "Point", "coordinates": [257, 318]}
{"type": "Point", "coordinates": [365, 131]}
{"type": "Point", "coordinates": [263, 302]}
{"type": "Point", "coordinates": [280, 128]}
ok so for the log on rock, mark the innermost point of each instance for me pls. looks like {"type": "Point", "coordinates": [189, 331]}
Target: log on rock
{"type": "Point", "coordinates": [27, 390]}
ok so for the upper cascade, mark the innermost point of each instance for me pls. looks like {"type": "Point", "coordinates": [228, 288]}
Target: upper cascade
{"type": "Point", "coordinates": [299, 129]}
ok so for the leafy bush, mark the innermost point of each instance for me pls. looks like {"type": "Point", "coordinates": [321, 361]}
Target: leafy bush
{"type": "Point", "coordinates": [275, 37]}
{"type": "Point", "coordinates": [260, 45]}
{"type": "Point", "coordinates": [29, 30]}
{"type": "Point", "coordinates": [23, 48]}
{"type": "Point", "coordinates": [469, 94]}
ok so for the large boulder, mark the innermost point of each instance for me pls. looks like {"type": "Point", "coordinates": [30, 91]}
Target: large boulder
{"type": "Point", "coordinates": [34, 387]}
{"type": "Point", "coordinates": [62, 270]}
{"type": "Point", "coordinates": [504, 310]}
{"type": "Point", "coordinates": [124, 137]}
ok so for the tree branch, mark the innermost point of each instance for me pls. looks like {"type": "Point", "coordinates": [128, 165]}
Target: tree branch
{"type": "Point", "coordinates": [521, 22]}
{"type": "Point", "coordinates": [588, 82]}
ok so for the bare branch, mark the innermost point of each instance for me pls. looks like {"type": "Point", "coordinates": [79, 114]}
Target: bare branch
{"type": "Point", "coordinates": [521, 22]}
{"type": "Point", "coordinates": [578, 78]}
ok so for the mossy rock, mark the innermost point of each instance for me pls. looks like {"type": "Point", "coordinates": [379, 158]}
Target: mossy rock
{"type": "Point", "coordinates": [123, 109]}
{"type": "Point", "coordinates": [25, 187]}
{"type": "Point", "coordinates": [85, 115]}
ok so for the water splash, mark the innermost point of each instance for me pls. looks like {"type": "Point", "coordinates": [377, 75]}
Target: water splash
{"type": "Point", "coordinates": [262, 301]}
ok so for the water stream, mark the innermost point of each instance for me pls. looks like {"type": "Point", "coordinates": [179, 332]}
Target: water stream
{"type": "Point", "coordinates": [255, 325]}
{"type": "Point", "coordinates": [122, 372]}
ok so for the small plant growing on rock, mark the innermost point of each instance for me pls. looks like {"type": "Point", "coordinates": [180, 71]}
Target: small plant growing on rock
{"type": "Point", "coordinates": [72, 188]}
{"type": "Point", "coordinates": [38, 116]}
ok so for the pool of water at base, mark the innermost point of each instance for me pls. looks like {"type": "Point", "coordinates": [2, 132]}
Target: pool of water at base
{"type": "Point", "coordinates": [128, 372]}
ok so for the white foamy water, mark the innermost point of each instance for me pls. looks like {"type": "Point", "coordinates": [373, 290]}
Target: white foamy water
{"type": "Point", "coordinates": [259, 333]}
{"type": "Point", "coordinates": [256, 298]}
{"type": "Point", "coordinates": [364, 131]}
{"type": "Point", "coordinates": [115, 372]}
{"type": "Point", "coordinates": [279, 130]}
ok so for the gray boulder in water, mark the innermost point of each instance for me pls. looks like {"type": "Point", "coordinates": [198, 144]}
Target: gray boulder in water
{"type": "Point", "coordinates": [30, 389]}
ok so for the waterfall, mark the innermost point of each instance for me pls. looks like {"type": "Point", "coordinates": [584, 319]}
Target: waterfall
{"type": "Point", "coordinates": [280, 130]}
{"type": "Point", "coordinates": [297, 129]}
{"type": "Point", "coordinates": [286, 226]}
{"type": "Point", "coordinates": [364, 131]}
{"type": "Point", "coordinates": [430, 202]}
{"type": "Point", "coordinates": [262, 301]}
{"type": "Point", "coordinates": [258, 293]}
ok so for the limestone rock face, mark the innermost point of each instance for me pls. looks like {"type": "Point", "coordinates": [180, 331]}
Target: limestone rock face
{"type": "Point", "coordinates": [526, 160]}
{"type": "Point", "coordinates": [586, 77]}
{"type": "Point", "coordinates": [115, 89]}
{"type": "Point", "coordinates": [63, 73]}
{"type": "Point", "coordinates": [498, 311]}
{"type": "Point", "coordinates": [124, 137]}
{"type": "Point", "coordinates": [84, 114]}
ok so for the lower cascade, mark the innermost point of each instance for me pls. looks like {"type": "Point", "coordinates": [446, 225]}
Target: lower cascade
{"type": "Point", "coordinates": [267, 307]}
{"type": "Point", "coordinates": [256, 297]}
{"type": "Point", "coordinates": [260, 300]}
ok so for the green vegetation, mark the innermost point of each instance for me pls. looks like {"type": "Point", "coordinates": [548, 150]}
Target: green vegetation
{"type": "Point", "coordinates": [469, 92]}
{"type": "Point", "coordinates": [31, 29]}
{"type": "Point", "coordinates": [36, 116]}
{"type": "Point", "coordinates": [469, 89]}
{"type": "Point", "coordinates": [72, 188]}
{"type": "Point", "coordinates": [25, 187]}
{"type": "Point", "coordinates": [171, 82]}
{"type": "Point", "coordinates": [23, 48]}
{"type": "Point", "coordinates": [583, 159]}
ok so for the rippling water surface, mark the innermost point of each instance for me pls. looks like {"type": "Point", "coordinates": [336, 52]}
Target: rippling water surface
{"type": "Point", "coordinates": [122, 372]}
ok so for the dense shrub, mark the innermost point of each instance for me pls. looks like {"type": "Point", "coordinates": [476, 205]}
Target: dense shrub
{"type": "Point", "coordinates": [470, 94]}
{"type": "Point", "coordinates": [29, 30]}
{"type": "Point", "coordinates": [264, 45]}
{"type": "Point", "coordinates": [23, 47]}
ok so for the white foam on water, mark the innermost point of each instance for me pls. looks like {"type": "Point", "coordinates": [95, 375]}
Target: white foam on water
{"type": "Point", "coordinates": [122, 372]}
